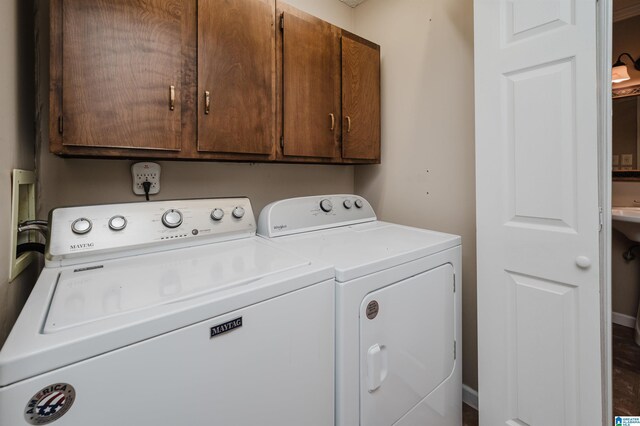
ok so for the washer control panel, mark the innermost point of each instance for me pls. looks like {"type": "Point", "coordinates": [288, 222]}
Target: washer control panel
{"type": "Point", "coordinates": [102, 230]}
{"type": "Point", "coordinates": [296, 215]}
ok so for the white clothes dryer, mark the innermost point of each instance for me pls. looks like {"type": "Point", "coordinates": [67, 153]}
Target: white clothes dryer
{"type": "Point", "coordinates": [398, 312]}
{"type": "Point", "coordinates": [170, 313]}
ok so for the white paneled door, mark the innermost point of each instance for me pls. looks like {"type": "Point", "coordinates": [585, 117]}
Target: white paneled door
{"type": "Point", "coordinates": [537, 213]}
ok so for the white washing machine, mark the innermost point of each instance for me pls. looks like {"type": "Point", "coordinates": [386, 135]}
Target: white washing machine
{"type": "Point", "coordinates": [170, 313]}
{"type": "Point", "coordinates": [398, 323]}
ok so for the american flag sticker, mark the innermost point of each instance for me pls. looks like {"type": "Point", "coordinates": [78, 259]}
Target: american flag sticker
{"type": "Point", "coordinates": [49, 403]}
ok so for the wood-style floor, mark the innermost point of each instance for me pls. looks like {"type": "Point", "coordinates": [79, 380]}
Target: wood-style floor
{"type": "Point", "coordinates": [469, 416]}
{"type": "Point", "coordinates": [626, 372]}
{"type": "Point", "coordinates": [626, 377]}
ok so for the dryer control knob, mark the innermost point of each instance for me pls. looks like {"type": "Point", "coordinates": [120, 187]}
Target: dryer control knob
{"type": "Point", "coordinates": [347, 204]}
{"type": "Point", "coordinates": [359, 204]}
{"type": "Point", "coordinates": [326, 205]}
{"type": "Point", "coordinates": [81, 226]}
{"type": "Point", "coordinates": [172, 218]}
{"type": "Point", "coordinates": [217, 214]}
{"type": "Point", "coordinates": [238, 212]}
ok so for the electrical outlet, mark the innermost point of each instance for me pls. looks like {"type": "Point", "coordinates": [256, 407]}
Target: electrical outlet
{"type": "Point", "coordinates": [627, 159]}
{"type": "Point", "coordinates": [143, 172]}
{"type": "Point", "coordinates": [615, 160]}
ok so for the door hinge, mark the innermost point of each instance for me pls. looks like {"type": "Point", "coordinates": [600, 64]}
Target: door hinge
{"type": "Point", "coordinates": [281, 142]}
{"type": "Point", "coordinates": [60, 128]}
{"type": "Point", "coordinates": [601, 216]}
{"type": "Point", "coordinates": [455, 350]}
{"type": "Point", "coordinates": [282, 22]}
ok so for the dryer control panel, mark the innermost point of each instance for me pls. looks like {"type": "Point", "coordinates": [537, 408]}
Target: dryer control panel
{"type": "Point", "coordinates": [103, 231]}
{"type": "Point", "coordinates": [296, 215]}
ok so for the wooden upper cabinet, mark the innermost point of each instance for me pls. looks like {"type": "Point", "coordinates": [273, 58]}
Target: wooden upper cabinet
{"type": "Point", "coordinates": [236, 76]}
{"type": "Point", "coordinates": [121, 73]}
{"type": "Point", "coordinates": [360, 98]}
{"type": "Point", "coordinates": [311, 86]}
{"type": "Point", "coordinates": [237, 80]}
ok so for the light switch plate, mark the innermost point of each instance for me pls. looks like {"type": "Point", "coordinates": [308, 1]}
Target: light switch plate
{"type": "Point", "coordinates": [141, 172]}
{"type": "Point", "coordinates": [615, 160]}
{"type": "Point", "coordinates": [627, 159]}
{"type": "Point", "coordinates": [23, 207]}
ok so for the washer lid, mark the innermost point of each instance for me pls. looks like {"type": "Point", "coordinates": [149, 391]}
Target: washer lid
{"type": "Point", "coordinates": [93, 293]}
{"type": "Point", "coordinates": [366, 248]}
{"type": "Point", "coordinates": [75, 313]}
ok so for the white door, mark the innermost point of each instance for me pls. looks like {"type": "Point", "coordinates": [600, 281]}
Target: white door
{"type": "Point", "coordinates": [537, 213]}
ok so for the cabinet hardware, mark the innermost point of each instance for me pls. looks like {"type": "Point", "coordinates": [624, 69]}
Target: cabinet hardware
{"type": "Point", "coordinates": [207, 101]}
{"type": "Point", "coordinates": [348, 124]}
{"type": "Point", "coordinates": [282, 142]}
{"type": "Point", "coordinates": [333, 121]}
{"type": "Point", "coordinates": [172, 98]}
{"type": "Point", "coordinates": [282, 22]}
{"type": "Point", "coordinates": [60, 128]}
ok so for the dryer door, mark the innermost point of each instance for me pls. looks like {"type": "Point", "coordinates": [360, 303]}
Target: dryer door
{"type": "Point", "coordinates": [407, 338]}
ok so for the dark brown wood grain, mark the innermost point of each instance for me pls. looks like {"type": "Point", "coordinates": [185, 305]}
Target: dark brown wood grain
{"type": "Point", "coordinates": [236, 64]}
{"type": "Point", "coordinates": [55, 75]}
{"type": "Point", "coordinates": [360, 99]}
{"type": "Point", "coordinates": [311, 86]}
{"type": "Point", "coordinates": [109, 131]}
{"type": "Point", "coordinates": [119, 60]}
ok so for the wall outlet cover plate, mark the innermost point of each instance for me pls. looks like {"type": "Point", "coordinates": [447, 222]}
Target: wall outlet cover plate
{"type": "Point", "coordinates": [141, 172]}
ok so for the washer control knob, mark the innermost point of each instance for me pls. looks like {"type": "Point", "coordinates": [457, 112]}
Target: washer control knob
{"type": "Point", "coordinates": [217, 214]}
{"type": "Point", "coordinates": [81, 226]}
{"type": "Point", "coordinates": [238, 212]}
{"type": "Point", "coordinates": [347, 204]}
{"type": "Point", "coordinates": [117, 223]}
{"type": "Point", "coordinates": [359, 204]}
{"type": "Point", "coordinates": [326, 205]}
{"type": "Point", "coordinates": [172, 218]}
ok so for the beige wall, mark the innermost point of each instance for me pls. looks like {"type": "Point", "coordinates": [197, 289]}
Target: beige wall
{"type": "Point", "coordinates": [625, 128]}
{"type": "Point", "coordinates": [82, 181]}
{"type": "Point", "coordinates": [426, 178]}
{"type": "Point", "coordinates": [625, 275]}
{"type": "Point", "coordinates": [16, 140]}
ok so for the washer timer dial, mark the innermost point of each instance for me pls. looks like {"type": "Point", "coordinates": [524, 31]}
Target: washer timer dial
{"type": "Point", "coordinates": [217, 214]}
{"type": "Point", "coordinates": [172, 218]}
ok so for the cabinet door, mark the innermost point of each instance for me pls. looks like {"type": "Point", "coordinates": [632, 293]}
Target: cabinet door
{"type": "Point", "coordinates": [121, 65]}
{"type": "Point", "coordinates": [236, 76]}
{"type": "Point", "coordinates": [311, 86]}
{"type": "Point", "coordinates": [360, 99]}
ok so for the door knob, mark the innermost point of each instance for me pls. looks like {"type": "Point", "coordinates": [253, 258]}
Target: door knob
{"type": "Point", "coordinates": [583, 262]}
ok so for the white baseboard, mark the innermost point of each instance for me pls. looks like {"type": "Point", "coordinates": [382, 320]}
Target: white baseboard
{"type": "Point", "coordinates": [470, 396]}
{"type": "Point", "coordinates": [622, 319]}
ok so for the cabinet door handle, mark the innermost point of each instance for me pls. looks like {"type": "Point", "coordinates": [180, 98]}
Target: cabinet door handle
{"type": "Point", "coordinates": [333, 121]}
{"type": "Point", "coordinates": [207, 101]}
{"type": "Point", "coordinates": [172, 98]}
{"type": "Point", "coordinates": [348, 124]}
